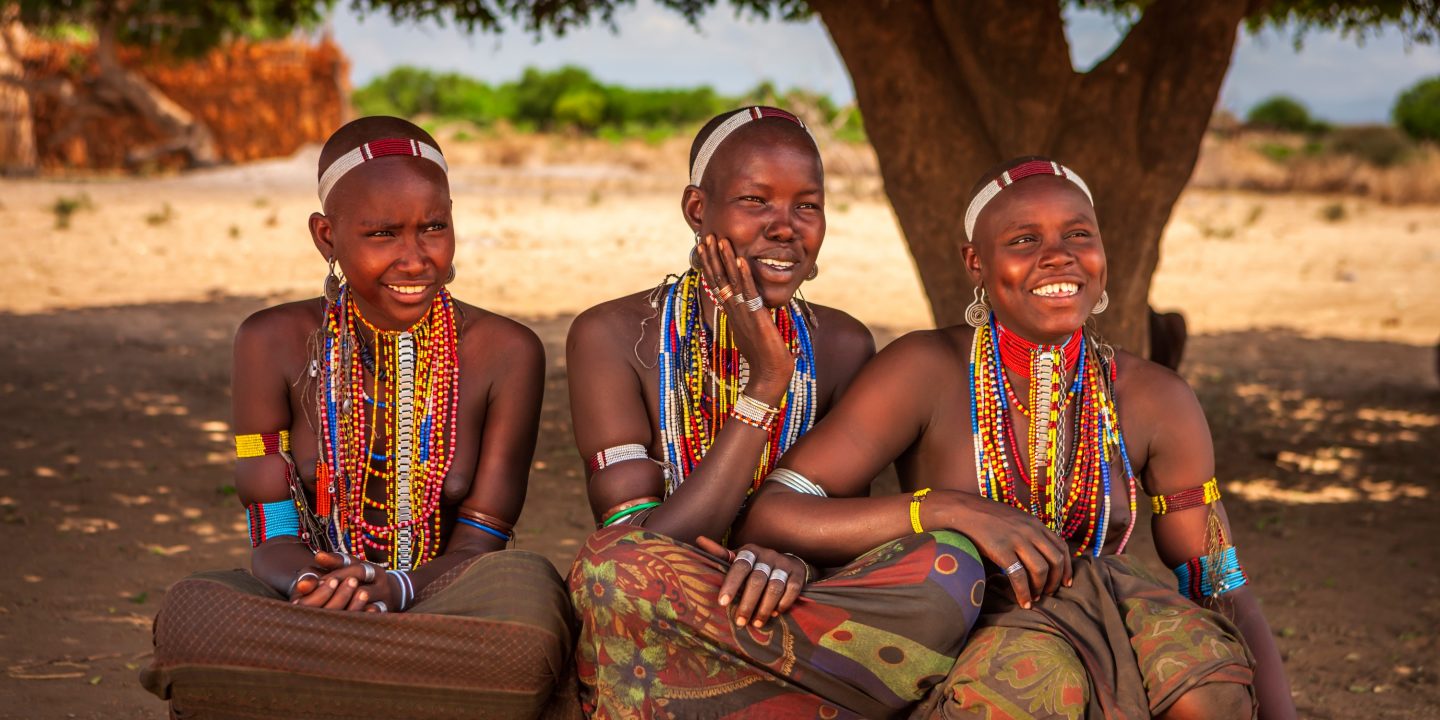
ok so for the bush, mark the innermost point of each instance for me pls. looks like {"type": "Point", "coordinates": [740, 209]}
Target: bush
{"type": "Point", "coordinates": [1417, 110]}
{"type": "Point", "coordinates": [1279, 112]}
{"type": "Point", "coordinates": [1379, 145]}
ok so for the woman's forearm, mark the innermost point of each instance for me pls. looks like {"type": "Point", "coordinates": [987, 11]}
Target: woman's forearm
{"type": "Point", "coordinates": [826, 531]}
{"type": "Point", "coordinates": [707, 502]}
{"type": "Point", "coordinates": [277, 562]}
{"type": "Point", "coordinates": [1272, 688]}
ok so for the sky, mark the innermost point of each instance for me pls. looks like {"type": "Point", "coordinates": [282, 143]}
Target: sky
{"type": "Point", "coordinates": [1338, 79]}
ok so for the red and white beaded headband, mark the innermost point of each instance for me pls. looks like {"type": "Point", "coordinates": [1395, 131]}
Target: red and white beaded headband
{"type": "Point", "coordinates": [731, 124]}
{"type": "Point", "coordinates": [1010, 177]}
{"type": "Point", "coordinates": [377, 149]}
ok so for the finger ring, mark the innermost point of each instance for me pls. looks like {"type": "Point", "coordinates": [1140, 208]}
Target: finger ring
{"type": "Point", "coordinates": [346, 560]}
{"type": "Point", "coordinates": [745, 556]}
{"type": "Point", "coordinates": [297, 580]}
{"type": "Point", "coordinates": [754, 303]}
{"type": "Point", "coordinates": [381, 606]}
{"type": "Point", "coordinates": [763, 568]}
{"type": "Point", "coordinates": [725, 293]}
{"type": "Point", "coordinates": [369, 572]}
{"type": "Point", "coordinates": [1015, 567]}
{"type": "Point", "coordinates": [780, 576]}
{"type": "Point", "coordinates": [738, 298]}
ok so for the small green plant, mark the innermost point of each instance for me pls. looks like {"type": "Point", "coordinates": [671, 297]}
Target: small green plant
{"type": "Point", "coordinates": [1279, 112]}
{"type": "Point", "coordinates": [1417, 110]}
{"type": "Point", "coordinates": [66, 207]}
{"type": "Point", "coordinates": [1333, 213]}
{"type": "Point", "coordinates": [162, 217]}
{"type": "Point", "coordinates": [1277, 152]}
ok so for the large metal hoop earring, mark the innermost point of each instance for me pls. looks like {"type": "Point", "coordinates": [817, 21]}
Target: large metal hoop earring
{"type": "Point", "coordinates": [978, 313]}
{"type": "Point", "coordinates": [332, 284]}
{"type": "Point", "coordinates": [695, 254]}
{"type": "Point", "coordinates": [1102, 304]}
{"type": "Point", "coordinates": [814, 271]}
{"type": "Point", "coordinates": [450, 278]}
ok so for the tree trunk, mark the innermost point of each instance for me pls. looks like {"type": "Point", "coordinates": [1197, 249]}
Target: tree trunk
{"type": "Point", "coordinates": [17, 123]}
{"type": "Point", "coordinates": [950, 89]}
{"type": "Point", "coordinates": [184, 132]}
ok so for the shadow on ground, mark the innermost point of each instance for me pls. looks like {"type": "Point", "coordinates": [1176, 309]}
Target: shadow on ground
{"type": "Point", "coordinates": [115, 481]}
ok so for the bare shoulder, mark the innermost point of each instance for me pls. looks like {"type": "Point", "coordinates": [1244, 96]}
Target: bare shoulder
{"type": "Point", "coordinates": [616, 323]}
{"type": "Point", "coordinates": [488, 337]}
{"type": "Point", "coordinates": [928, 350]}
{"type": "Point", "coordinates": [1140, 383]}
{"type": "Point", "coordinates": [841, 335]}
{"type": "Point", "coordinates": [281, 328]}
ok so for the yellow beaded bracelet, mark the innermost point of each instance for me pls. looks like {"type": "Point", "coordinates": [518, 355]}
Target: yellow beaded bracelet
{"type": "Point", "coordinates": [915, 501]}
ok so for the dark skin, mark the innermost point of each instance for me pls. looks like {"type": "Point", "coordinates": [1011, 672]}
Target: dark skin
{"type": "Point", "coordinates": [387, 224]}
{"type": "Point", "coordinates": [760, 212]}
{"type": "Point", "coordinates": [911, 405]}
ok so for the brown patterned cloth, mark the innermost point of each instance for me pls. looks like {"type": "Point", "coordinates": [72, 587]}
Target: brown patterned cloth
{"type": "Point", "coordinates": [1117, 645]}
{"type": "Point", "coordinates": [491, 638]}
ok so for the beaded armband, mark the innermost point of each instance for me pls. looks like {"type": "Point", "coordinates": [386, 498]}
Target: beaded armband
{"type": "Point", "coordinates": [272, 519]}
{"type": "Point", "coordinates": [618, 454]}
{"type": "Point", "coordinates": [915, 501]}
{"type": "Point", "coordinates": [486, 523]}
{"type": "Point", "coordinates": [754, 413]}
{"type": "Point", "coordinates": [795, 481]}
{"type": "Point", "coordinates": [1210, 576]}
{"type": "Point", "coordinates": [1186, 499]}
{"type": "Point", "coordinates": [627, 510]}
{"type": "Point", "coordinates": [259, 444]}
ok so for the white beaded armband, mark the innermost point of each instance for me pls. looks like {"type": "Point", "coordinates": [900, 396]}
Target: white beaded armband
{"type": "Point", "coordinates": [795, 481]}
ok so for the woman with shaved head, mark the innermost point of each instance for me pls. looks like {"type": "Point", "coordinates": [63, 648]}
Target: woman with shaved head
{"type": "Point", "coordinates": [1029, 433]}
{"type": "Point", "coordinates": [384, 436]}
{"type": "Point", "coordinates": [684, 398]}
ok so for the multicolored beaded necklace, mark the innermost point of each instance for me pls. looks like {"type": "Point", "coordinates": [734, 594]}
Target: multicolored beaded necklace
{"type": "Point", "coordinates": [1070, 493]}
{"type": "Point", "coordinates": [415, 379]}
{"type": "Point", "coordinates": [701, 376]}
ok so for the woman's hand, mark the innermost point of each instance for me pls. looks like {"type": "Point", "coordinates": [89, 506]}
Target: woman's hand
{"type": "Point", "coordinates": [757, 338]}
{"type": "Point", "coordinates": [1033, 558]}
{"type": "Point", "coordinates": [762, 582]}
{"type": "Point", "coordinates": [342, 582]}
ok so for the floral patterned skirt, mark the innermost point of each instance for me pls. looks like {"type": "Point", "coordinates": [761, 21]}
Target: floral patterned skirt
{"type": "Point", "coordinates": [869, 640]}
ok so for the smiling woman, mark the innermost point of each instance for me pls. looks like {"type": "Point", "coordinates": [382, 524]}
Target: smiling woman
{"type": "Point", "coordinates": [386, 433]}
{"type": "Point", "coordinates": [684, 398]}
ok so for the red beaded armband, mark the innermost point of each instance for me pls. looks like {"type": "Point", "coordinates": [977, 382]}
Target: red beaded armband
{"type": "Point", "coordinates": [1186, 499]}
{"type": "Point", "coordinates": [259, 444]}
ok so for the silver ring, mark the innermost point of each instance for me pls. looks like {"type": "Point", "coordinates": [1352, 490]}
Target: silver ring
{"type": "Point", "coordinates": [346, 558]}
{"type": "Point", "coordinates": [1015, 567]}
{"type": "Point", "coordinates": [738, 297]}
{"type": "Point", "coordinates": [381, 605]}
{"type": "Point", "coordinates": [780, 576]}
{"type": "Point", "coordinates": [297, 580]}
{"type": "Point", "coordinates": [755, 303]}
{"type": "Point", "coordinates": [763, 568]}
{"type": "Point", "coordinates": [745, 556]}
{"type": "Point", "coordinates": [369, 572]}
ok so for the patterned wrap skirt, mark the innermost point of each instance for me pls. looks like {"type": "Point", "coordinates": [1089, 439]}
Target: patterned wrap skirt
{"type": "Point", "coordinates": [492, 638]}
{"type": "Point", "coordinates": [1117, 644]}
{"type": "Point", "coordinates": [870, 640]}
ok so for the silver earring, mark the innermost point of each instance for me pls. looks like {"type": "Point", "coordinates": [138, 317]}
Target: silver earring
{"type": "Point", "coordinates": [814, 271]}
{"type": "Point", "coordinates": [978, 313]}
{"type": "Point", "coordinates": [695, 254]}
{"type": "Point", "coordinates": [450, 278]}
{"type": "Point", "coordinates": [332, 284]}
{"type": "Point", "coordinates": [1104, 303]}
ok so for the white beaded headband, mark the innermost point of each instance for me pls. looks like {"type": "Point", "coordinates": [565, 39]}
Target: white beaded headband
{"type": "Point", "coordinates": [731, 124]}
{"type": "Point", "coordinates": [375, 149]}
{"type": "Point", "coordinates": [1010, 177]}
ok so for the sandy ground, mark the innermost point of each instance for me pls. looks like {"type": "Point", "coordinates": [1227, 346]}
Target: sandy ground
{"type": "Point", "coordinates": [1313, 357]}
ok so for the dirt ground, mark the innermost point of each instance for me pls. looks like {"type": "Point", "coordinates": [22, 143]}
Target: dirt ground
{"type": "Point", "coordinates": [1313, 355]}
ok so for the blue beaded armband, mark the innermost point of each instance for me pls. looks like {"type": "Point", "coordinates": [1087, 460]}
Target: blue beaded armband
{"type": "Point", "coordinates": [1199, 580]}
{"type": "Point", "coordinates": [273, 519]}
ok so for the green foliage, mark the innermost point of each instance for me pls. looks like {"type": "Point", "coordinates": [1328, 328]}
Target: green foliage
{"type": "Point", "coordinates": [1417, 110]}
{"type": "Point", "coordinates": [1279, 112]}
{"type": "Point", "coordinates": [1379, 145]}
{"type": "Point", "coordinates": [183, 27]}
{"type": "Point", "coordinates": [1277, 152]}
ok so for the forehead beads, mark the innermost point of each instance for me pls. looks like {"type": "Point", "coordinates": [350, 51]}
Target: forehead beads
{"type": "Point", "coordinates": [1012, 176]}
{"type": "Point", "coordinates": [377, 149]}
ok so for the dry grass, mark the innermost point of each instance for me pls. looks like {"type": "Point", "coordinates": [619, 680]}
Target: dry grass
{"type": "Point", "coordinates": [1281, 163]}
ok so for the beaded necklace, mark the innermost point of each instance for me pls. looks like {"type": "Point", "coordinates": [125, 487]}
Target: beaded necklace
{"type": "Point", "coordinates": [701, 377]}
{"type": "Point", "coordinates": [415, 376]}
{"type": "Point", "coordinates": [1069, 493]}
